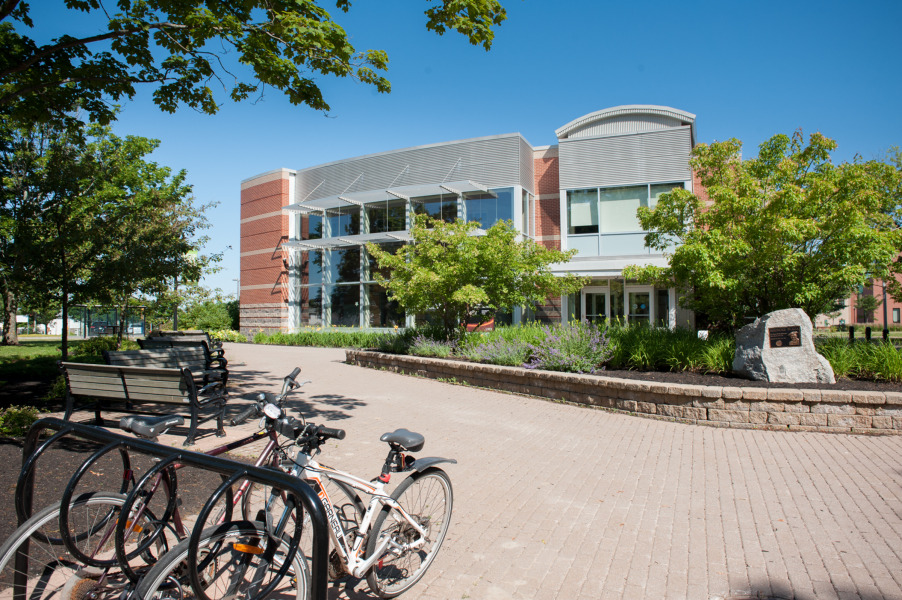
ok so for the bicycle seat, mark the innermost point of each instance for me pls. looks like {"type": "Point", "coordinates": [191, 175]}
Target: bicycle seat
{"type": "Point", "coordinates": [149, 427]}
{"type": "Point", "coordinates": [408, 440]}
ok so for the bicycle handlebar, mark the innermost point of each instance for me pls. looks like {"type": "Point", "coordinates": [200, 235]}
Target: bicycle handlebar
{"type": "Point", "coordinates": [249, 412]}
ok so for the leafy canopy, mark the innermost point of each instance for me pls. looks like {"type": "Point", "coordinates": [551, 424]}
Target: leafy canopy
{"type": "Point", "coordinates": [788, 229]}
{"type": "Point", "coordinates": [461, 275]}
{"type": "Point", "coordinates": [185, 47]}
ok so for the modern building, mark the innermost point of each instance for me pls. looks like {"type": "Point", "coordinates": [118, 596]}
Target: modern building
{"type": "Point", "coordinates": [303, 259]}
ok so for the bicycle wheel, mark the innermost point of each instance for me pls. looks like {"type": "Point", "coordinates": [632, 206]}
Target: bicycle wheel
{"type": "Point", "coordinates": [232, 564]}
{"type": "Point", "coordinates": [427, 497]}
{"type": "Point", "coordinates": [47, 569]}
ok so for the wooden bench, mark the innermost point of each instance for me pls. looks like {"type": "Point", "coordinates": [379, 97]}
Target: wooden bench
{"type": "Point", "coordinates": [193, 334]}
{"type": "Point", "coordinates": [213, 356]}
{"type": "Point", "coordinates": [187, 357]}
{"type": "Point", "coordinates": [134, 385]}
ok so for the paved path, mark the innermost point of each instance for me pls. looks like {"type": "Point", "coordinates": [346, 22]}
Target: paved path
{"type": "Point", "coordinates": [562, 502]}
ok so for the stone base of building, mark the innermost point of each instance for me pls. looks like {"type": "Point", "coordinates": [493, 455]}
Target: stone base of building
{"type": "Point", "coordinates": [268, 318]}
{"type": "Point", "coordinates": [749, 408]}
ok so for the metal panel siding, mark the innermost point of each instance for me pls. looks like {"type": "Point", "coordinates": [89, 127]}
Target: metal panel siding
{"type": "Point", "coordinates": [527, 167]}
{"type": "Point", "coordinates": [658, 156]}
{"type": "Point", "coordinates": [494, 162]}
{"type": "Point", "coordinates": [625, 124]}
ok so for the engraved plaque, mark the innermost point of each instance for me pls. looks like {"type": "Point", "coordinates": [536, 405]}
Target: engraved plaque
{"type": "Point", "coordinates": [785, 337]}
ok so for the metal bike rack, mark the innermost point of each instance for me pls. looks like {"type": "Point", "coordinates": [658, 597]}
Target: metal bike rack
{"type": "Point", "coordinates": [230, 469]}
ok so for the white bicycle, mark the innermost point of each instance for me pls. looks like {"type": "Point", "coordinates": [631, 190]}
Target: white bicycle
{"type": "Point", "coordinates": [391, 540]}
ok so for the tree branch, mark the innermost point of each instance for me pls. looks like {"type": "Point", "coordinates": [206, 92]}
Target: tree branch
{"type": "Point", "coordinates": [7, 8]}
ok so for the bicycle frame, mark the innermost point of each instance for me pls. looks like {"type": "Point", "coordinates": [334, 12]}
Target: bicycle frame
{"type": "Point", "coordinates": [350, 550]}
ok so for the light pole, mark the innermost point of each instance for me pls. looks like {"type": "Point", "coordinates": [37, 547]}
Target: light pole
{"type": "Point", "coordinates": [238, 289]}
{"type": "Point", "coordinates": [885, 320]}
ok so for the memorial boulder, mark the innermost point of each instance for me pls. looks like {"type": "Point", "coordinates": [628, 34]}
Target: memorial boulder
{"type": "Point", "coordinates": [779, 347]}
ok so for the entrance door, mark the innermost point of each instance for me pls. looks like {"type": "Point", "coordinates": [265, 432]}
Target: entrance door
{"type": "Point", "coordinates": [639, 307]}
{"type": "Point", "coordinates": [594, 304]}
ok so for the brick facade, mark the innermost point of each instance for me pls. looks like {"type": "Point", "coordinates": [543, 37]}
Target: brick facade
{"type": "Point", "coordinates": [264, 276]}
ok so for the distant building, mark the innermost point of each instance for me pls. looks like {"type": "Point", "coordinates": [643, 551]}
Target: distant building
{"type": "Point", "coordinates": [303, 260]}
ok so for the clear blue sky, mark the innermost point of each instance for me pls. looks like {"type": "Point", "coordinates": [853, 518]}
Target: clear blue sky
{"type": "Point", "coordinates": [746, 69]}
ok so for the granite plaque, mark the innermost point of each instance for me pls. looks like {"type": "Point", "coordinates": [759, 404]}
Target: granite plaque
{"type": "Point", "coordinates": [785, 337]}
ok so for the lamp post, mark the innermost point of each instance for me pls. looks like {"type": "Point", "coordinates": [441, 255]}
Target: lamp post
{"type": "Point", "coordinates": [885, 320]}
{"type": "Point", "coordinates": [237, 289]}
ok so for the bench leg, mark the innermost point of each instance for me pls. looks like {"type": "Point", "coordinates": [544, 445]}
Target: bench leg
{"type": "Point", "coordinates": [70, 401]}
{"type": "Point", "coordinates": [98, 420]}
{"type": "Point", "coordinates": [192, 432]}
{"type": "Point", "coordinates": [220, 432]}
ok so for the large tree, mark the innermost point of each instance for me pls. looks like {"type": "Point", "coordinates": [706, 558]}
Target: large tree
{"type": "Point", "coordinates": [459, 274]}
{"type": "Point", "coordinates": [89, 219]}
{"type": "Point", "coordinates": [182, 48]}
{"type": "Point", "coordinates": [788, 229]}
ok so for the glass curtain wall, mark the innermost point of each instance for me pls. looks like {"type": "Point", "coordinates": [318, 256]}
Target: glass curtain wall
{"type": "Point", "coordinates": [337, 285]}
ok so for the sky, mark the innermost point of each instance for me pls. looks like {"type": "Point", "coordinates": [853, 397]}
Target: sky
{"type": "Point", "coordinates": [747, 70]}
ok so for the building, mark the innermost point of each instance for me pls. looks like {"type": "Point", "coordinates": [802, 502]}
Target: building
{"type": "Point", "coordinates": [303, 261]}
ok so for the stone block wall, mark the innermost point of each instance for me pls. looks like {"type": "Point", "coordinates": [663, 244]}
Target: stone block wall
{"type": "Point", "coordinates": [786, 409]}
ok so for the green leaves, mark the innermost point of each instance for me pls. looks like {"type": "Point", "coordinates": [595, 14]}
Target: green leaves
{"type": "Point", "coordinates": [785, 229]}
{"type": "Point", "coordinates": [181, 48]}
{"type": "Point", "coordinates": [458, 273]}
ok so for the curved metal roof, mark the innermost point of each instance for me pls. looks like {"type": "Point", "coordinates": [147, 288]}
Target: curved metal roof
{"type": "Point", "coordinates": [627, 109]}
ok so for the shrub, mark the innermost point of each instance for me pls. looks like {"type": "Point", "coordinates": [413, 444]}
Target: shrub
{"type": "Point", "coordinates": [17, 420]}
{"type": "Point", "coordinates": [426, 346]}
{"type": "Point", "coordinates": [324, 338]}
{"type": "Point", "coordinates": [95, 346]}
{"type": "Point", "coordinates": [228, 335]}
{"type": "Point", "coordinates": [841, 355]}
{"type": "Point", "coordinates": [500, 351]}
{"type": "Point", "coordinates": [881, 361]}
{"type": "Point", "coordinates": [576, 348]}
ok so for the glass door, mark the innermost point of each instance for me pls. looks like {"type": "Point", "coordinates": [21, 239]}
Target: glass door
{"type": "Point", "coordinates": [639, 307]}
{"type": "Point", "coordinates": [596, 307]}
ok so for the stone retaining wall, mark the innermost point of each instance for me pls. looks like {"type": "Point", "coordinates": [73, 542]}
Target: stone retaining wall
{"type": "Point", "coordinates": [745, 407]}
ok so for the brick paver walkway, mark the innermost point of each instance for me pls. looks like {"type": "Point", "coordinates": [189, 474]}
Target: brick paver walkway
{"type": "Point", "coordinates": [562, 502]}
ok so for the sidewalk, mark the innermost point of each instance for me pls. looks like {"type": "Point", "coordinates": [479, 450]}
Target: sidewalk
{"type": "Point", "coordinates": [561, 502]}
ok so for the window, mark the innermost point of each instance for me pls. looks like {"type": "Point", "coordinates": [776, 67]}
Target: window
{"type": "Point", "coordinates": [311, 271]}
{"type": "Point", "coordinates": [896, 315]}
{"type": "Point", "coordinates": [384, 312]}
{"type": "Point", "coordinates": [389, 215]}
{"type": "Point", "coordinates": [489, 208]}
{"type": "Point", "coordinates": [344, 303]}
{"type": "Point", "coordinates": [582, 211]}
{"type": "Point", "coordinates": [344, 220]}
{"type": "Point", "coordinates": [440, 208]}
{"type": "Point", "coordinates": [312, 227]}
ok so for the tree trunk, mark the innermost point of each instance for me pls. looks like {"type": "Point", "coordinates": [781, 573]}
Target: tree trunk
{"type": "Point", "coordinates": [65, 332]}
{"type": "Point", "coordinates": [10, 333]}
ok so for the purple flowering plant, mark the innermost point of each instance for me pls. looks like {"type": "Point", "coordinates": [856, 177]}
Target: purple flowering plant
{"type": "Point", "coordinates": [576, 348]}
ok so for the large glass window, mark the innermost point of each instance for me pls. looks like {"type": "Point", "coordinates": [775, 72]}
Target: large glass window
{"type": "Point", "coordinates": [582, 211]}
{"type": "Point", "coordinates": [344, 305]}
{"type": "Point", "coordinates": [443, 208]}
{"type": "Point", "coordinates": [386, 216]}
{"type": "Point", "coordinates": [618, 208]}
{"type": "Point", "coordinates": [311, 271]}
{"type": "Point", "coordinates": [489, 208]}
{"type": "Point", "coordinates": [384, 312]}
{"type": "Point", "coordinates": [311, 299]}
{"type": "Point", "coordinates": [312, 227]}
{"type": "Point", "coordinates": [343, 220]}
{"type": "Point", "coordinates": [344, 265]}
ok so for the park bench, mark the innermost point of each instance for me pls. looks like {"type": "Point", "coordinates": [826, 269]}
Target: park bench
{"type": "Point", "coordinates": [139, 385]}
{"type": "Point", "coordinates": [188, 357]}
{"type": "Point", "coordinates": [214, 356]}
{"type": "Point", "coordinates": [191, 334]}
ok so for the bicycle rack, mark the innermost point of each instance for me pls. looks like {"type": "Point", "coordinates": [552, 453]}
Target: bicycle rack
{"type": "Point", "coordinates": [230, 469]}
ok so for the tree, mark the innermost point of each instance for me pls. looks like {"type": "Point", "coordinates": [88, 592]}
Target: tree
{"type": "Point", "coordinates": [181, 48]}
{"type": "Point", "coordinates": [87, 219]}
{"type": "Point", "coordinates": [868, 304]}
{"type": "Point", "coordinates": [460, 276]}
{"type": "Point", "coordinates": [788, 229]}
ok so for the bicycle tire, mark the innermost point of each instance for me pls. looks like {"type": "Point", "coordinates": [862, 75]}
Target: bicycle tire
{"type": "Point", "coordinates": [428, 498]}
{"type": "Point", "coordinates": [220, 549]}
{"type": "Point", "coordinates": [52, 571]}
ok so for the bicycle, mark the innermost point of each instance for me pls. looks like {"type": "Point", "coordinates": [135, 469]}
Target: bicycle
{"type": "Point", "coordinates": [392, 540]}
{"type": "Point", "coordinates": [81, 550]}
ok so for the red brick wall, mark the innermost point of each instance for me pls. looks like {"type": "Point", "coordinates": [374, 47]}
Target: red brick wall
{"type": "Point", "coordinates": [263, 272]}
{"type": "Point", "coordinates": [548, 198]}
